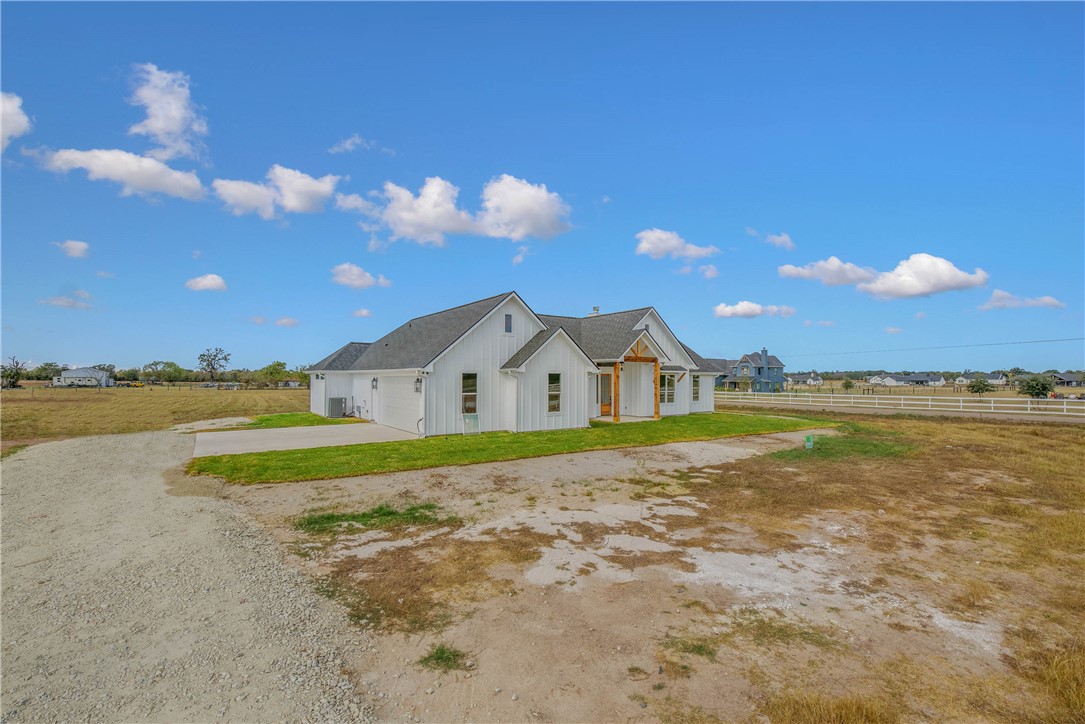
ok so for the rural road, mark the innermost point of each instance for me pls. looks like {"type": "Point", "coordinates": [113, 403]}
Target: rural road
{"type": "Point", "coordinates": [124, 602]}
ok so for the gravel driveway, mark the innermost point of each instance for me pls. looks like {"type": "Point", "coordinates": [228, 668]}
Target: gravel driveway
{"type": "Point", "coordinates": [123, 602]}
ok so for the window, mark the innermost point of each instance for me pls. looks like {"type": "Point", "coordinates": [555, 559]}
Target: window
{"type": "Point", "coordinates": [696, 388]}
{"type": "Point", "coordinates": [666, 388]}
{"type": "Point", "coordinates": [508, 324]}
{"type": "Point", "coordinates": [553, 392]}
{"type": "Point", "coordinates": [469, 393]}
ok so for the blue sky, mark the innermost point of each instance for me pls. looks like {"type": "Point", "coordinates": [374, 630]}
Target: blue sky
{"type": "Point", "coordinates": [815, 178]}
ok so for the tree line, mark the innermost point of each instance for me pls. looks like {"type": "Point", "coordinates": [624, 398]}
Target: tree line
{"type": "Point", "coordinates": [212, 365]}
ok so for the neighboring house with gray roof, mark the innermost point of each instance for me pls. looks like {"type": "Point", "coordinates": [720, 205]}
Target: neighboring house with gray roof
{"type": "Point", "coordinates": [83, 377]}
{"type": "Point", "coordinates": [995, 378]}
{"type": "Point", "coordinates": [754, 372]}
{"type": "Point", "coordinates": [495, 364]}
{"type": "Point", "coordinates": [921, 379]}
{"type": "Point", "coordinates": [805, 379]}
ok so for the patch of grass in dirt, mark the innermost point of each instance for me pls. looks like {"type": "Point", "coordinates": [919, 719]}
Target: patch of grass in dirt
{"type": "Point", "coordinates": [705, 646]}
{"type": "Point", "coordinates": [382, 516]}
{"type": "Point", "coordinates": [1058, 668]}
{"type": "Point", "coordinates": [974, 596]}
{"type": "Point", "coordinates": [672, 710]}
{"type": "Point", "coordinates": [853, 440]}
{"type": "Point", "coordinates": [802, 707]}
{"type": "Point", "coordinates": [775, 630]}
{"type": "Point", "coordinates": [428, 586]}
{"type": "Point", "coordinates": [444, 658]}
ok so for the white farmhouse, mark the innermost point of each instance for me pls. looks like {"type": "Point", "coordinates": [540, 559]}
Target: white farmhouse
{"type": "Point", "coordinates": [495, 364]}
{"type": "Point", "coordinates": [83, 377]}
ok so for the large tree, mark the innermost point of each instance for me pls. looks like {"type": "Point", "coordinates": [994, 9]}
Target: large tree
{"type": "Point", "coordinates": [11, 372]}
{"type": "Point", "coordinates": [1036, 387]}
{"type": "Point", "coordinates": [46, 371]}
{"type": "Point", "coordinates": [273, 374]}
{"type": "Point", "coordinates": [979, 385]}
{"type": "Point", "coordinates": [213, 361]}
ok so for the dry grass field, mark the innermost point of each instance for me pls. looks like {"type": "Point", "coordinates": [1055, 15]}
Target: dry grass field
{"type": "Point", "coordinates": [904, 569]}
{"type": "Point", "coordinates": [40, 414]}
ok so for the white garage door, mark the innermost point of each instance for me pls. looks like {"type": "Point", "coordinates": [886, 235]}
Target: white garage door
{"type": "Point", "coordinates": [400, 405]}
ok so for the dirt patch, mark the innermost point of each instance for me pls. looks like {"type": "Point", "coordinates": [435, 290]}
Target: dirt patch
{"type": "Point", "coordinates": [704, 582]}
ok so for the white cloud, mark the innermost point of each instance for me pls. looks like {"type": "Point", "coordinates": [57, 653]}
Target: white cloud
{"type": "Point", "coordinates": [1004, 300]}
{"type": "Point", "coordinates": [781, 240]}
{"type": "Point", "coordinates": [921, 275]}
{"type": "Point", "coordinates": [299, 192]}
{"type": "Point", "coordinates": [74, 249]}
{"type": "Point", "coordinates": [708, 271]}
{"type": "Point", "coordinates": [920, 315]}
{"type": "Point", "coordinates": [258, 320]}
{"type": "Point", "coordinates": [136, 174]}
{"type": "Point", "coordinates": [207, 283]}
{"type": "Point", "coordinates": [750, 231]}
{"type": "Point", "coordinates": [288, 189]}
{"type": "Point", "coordinates": [66, 302]}
{"type": "Point", "coordinates": [104, 274]}
{"type": "Point", "coordinates": [81, 294]}
{"type": "Point", "coordinates": [606, 199]}
{"type": "Point", "coordinates": [831, 272]}
{"type": "Point", "coordinates": [363, 312]}
{"type": "Point", "coordinates": [348, 144]}
{"type": "Point", "coordinates": [246, 197]}
{"type": "Point", "coordinates": [514, 209]}
{"type": "Point", "coordinates": [819, 323]}
{"type": "Point", "coordinates": [425, 218]}
{"type": "Point", "coordinates": [355, 277]}
{"type": "Point", "coordinates": [354, 202]}
{"type": "Point", "coordinates": [657, 243]}
{"type": "Point", "coordinates": [521, 254]}
{"type": "Point", "coordinates": [354, 141]}
{"type": "Point", "coordinates": [687, 269]}
{"type": "Point", "coordinates": [286, 322]}
{"type": "Point", "coordinates": [172, 120]}
{"type": "Point", "coordinates": [752, 309]}
{"type": "Point", "coordinates": [196, 253]}
{"type": "Point", "coordinates": [13, 120]}
{"type": "Point", "coordinates": [893, 330]}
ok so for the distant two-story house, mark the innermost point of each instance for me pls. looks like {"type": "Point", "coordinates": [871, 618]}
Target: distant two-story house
{"type": "Point", "coordinates": [755, 372]}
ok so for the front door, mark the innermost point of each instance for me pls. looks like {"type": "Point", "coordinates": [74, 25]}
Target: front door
{"type": "Point", "coordinates": [604, 394]}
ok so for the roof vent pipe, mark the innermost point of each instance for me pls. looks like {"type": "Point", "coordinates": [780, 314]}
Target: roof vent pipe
{"type": "Point", "coordinates": [594, 312]}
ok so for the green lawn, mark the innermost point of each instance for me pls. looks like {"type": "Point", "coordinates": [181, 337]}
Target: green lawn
{"type": "Point", "coordinates": [295, 419]}
{"type": "Point", "coordinates": [386, 457]}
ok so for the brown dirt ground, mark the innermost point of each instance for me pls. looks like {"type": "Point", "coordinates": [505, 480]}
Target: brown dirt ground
{"type": "Point", "coordinates": [711, 582]}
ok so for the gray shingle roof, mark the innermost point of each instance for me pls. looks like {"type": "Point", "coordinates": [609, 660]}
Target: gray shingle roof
{"type": "Point", "coordinates": [725, 366]}
{"type": "Point", "coordinates": [418, 342]}
{"type": "Point", "coordinates": [532, 346]}
{"type": "Point", "coordinates": [755, 360]}
{"type": "Point", "coordinates": [703, 365]}
{"type": "Point", "coordinates": [342, 358]}
{"type": "Point", "coordinates": [602, 336]}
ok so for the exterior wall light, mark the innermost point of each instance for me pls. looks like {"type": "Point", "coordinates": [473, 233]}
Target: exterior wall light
{"type": "Point", "coordinates": [373, 385]}
{"type": "Point", "coordinates": [417, 384]}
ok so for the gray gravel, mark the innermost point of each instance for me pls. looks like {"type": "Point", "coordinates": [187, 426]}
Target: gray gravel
{"type": "Point", "coordinates": [122, 602]}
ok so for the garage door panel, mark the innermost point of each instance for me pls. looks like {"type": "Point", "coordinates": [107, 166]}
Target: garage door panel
{"type": "Point", "coordinates": [400, 405]}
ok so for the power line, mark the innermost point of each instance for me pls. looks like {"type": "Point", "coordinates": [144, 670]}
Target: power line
{"type": "Point", "coordinates": [924, 349]}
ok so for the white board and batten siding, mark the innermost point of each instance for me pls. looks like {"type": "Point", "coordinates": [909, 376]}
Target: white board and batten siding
{"type": "Point", "coordinates": [317, 397]}
{"type": "Point", "coordinates": [706, 385]}
{"type": "Point", "coordinates": [671, 347]}
{"type": "Point", "coordinates": [560, 356]}
{"type": "Point", "coordinates": [483, 351]}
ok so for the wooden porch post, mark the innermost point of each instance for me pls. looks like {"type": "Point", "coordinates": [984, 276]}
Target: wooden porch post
{"type": "Point", "coordinates": [617, 398]}
{"type": "Point", "coordinates": [656, 415]}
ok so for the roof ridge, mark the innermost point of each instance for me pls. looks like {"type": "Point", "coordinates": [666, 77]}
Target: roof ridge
{"type": "Point", "coordinates": [601, 314]}
{"type": "Point", "coordinates": [458, 306]}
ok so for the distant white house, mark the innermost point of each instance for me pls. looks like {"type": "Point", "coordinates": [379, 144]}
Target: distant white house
{"type": "Point", "coordinates": [495, 364]}
{"type": "Point", "coordinates": [807, 379]}
{"type": "Point", "coordinates": [83, 377]}
{"type": "Point", "coordinates": [995, 378]}
{"type": "Point", "coordinates": [913, 380]}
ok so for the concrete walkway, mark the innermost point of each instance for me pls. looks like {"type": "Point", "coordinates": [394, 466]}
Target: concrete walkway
{"type": "Point", "coordinates": [293, 438]}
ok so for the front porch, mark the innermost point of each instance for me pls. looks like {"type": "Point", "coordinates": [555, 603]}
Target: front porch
{"type": "Point", "coordinates": [631, 384]}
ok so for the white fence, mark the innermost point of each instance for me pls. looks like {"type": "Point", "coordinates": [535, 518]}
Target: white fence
{"type": "Point", "coordinates": [1008, 405]}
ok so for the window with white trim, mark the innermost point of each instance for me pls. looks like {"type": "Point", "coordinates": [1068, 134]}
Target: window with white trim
{"type": "Point", "coordinates": [469, 393]}
{"type": "Point", "coordinates": [553, 392]}
{"type": "Point", "coordinates": [508, 324]}
{"type": "Point", "coordinates": [696, 388]}
{"type": "Point", "coordinates": [666, 388]}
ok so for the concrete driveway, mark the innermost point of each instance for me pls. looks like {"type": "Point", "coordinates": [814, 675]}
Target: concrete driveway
{"type": "Point", "coordinates": [293, 438]}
